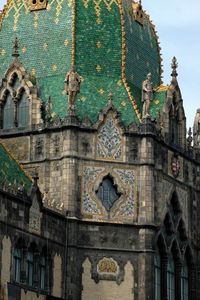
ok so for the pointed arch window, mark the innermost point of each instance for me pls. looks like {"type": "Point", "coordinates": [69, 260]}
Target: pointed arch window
{"type": "Point", "coordinates": [170, 279]}
{"type": "Point", "coordinates": [184, 282]}
{"type": "Point", "coordinates": [157, 268]}
{"type": "Point", "coordinates": [8, 112]}
{"type": "Point", "coordinates": [23, 110]}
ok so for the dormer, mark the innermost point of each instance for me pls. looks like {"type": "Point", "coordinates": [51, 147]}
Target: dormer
{"type": "Point", "coordinates": [38, 4]}
{"type": "Point", "coordinates": [138, 12]}
{"type": "Point", "coordinates": [19, 101]}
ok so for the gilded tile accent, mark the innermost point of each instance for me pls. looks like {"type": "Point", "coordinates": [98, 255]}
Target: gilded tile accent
{"type": "Point", "coordinates": [107, 266]}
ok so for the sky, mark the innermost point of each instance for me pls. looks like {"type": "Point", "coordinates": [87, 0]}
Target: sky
{"type": "Point", "coordinates": [178, 26]}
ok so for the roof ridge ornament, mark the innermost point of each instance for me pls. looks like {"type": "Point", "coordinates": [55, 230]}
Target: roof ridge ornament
{"type": "Point", "coordinates": [174, 66]}
{"type": "Point", "coordinates": [15, 52]}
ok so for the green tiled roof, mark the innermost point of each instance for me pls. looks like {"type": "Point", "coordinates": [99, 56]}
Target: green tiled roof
{"type": "Point", "coordinates": [46, 46]}
{"type": "Point", "coordinates": [158, 102]}
{"type": "Point", "coordinates": [10, 171]}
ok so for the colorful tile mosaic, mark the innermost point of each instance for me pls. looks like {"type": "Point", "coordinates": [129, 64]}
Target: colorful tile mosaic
{"type": "Point", "coordinates": [124, 204]}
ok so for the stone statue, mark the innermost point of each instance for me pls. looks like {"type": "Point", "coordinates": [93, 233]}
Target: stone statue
{"type": "Point", "coordinates": [72, 87]}
{"type": "Point", "coordinates": [147, 95]}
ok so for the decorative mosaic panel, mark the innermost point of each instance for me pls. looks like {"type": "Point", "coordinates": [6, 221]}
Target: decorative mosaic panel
{"type": "Point", "coordinates": [123, 207]}
{"type": "Point", "coordinates": [109, 140]}
{"type": "Point", "coordinates": [88, 205]}
{"type": "Point", "coordinates": [127, 177]}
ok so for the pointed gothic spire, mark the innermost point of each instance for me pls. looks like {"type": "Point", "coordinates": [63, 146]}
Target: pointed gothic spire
{"type": "Point", "coordinates": [15, 53]}
{"type": "Point", "coordinates": [174, 66]}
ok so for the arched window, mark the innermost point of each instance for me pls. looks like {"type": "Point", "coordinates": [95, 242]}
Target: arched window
{"type": "Point", "coordinates": [157, 268]}
{"type": "Point", "coordinates": [170, 279]}
{"type": "Point", "coordinates": [8, 112]}
{"type": "Point", "coordinates": [17, 261]}
{"type": "Point", "coordinates": [14, 82]}
{"type": "Point", "coordinates": [23, 111]}
{"type": "Point", "coordinates": [184, 282]}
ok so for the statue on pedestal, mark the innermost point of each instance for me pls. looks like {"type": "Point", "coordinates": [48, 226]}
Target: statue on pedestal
{"type": "Point", "coordinates": [72, 88]}
{"type": "Point", "coordinates": [147, 95]}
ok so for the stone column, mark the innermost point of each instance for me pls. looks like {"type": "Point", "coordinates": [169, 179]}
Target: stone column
{"type": "Point", "coordinates": [70, 184]}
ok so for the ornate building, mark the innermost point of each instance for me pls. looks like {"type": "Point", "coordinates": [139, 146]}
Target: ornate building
{"type": "Point", "coordinates": [99, 180]}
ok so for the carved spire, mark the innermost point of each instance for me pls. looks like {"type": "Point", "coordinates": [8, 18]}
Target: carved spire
{"type": "Point", "coordinates": [15, 53]}
{"type": "Point", "coordinates": [189, 139]}
{"type": "Point", "coordinates": [174, 66]}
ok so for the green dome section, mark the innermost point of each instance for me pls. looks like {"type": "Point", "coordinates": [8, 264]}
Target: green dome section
{"type": "Point", "coordinates": [99, 60]}
{"type": "Point", "coordinates": [110, 49]}
{"type": "Point", "coordinates": [142, 52]}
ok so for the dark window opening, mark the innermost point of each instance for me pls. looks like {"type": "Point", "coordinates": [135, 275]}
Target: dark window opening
{"type": "Point", "coordinates": [107, 192]}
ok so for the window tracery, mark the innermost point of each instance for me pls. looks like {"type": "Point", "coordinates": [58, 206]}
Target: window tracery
{"type": "Point", "coordinates": [30, 266]}
{"type": "Point", "coordinates": [19, 102]}
{"type": "Point", "coordinates": [175, 262]}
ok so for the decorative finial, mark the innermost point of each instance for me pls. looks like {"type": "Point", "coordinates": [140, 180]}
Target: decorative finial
{"type": "Point", "coordinates": [15, 53]}
{"type": "Point", "coordinates": [189, 139]}
{"type": "Point", "coordinates": [174, 66]}
{"type": "Point", "coordinates": [72, 88]}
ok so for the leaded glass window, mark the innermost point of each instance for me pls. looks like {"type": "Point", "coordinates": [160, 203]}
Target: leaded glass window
{"type": "Point", "coordinates": [8, 113]}
{"type": "Point", "coordinates": [157, 268]}
{"type": "Point", "coordinates": [184, 282]}
{"type": "Point", "coordinates": [23, 111]}
{"type": "Point", "coordinates": [107, 193]}
{"type": "Point", "coordinates": [17, 261]}
{"type": "Point", "coordinates": [170, 279]}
